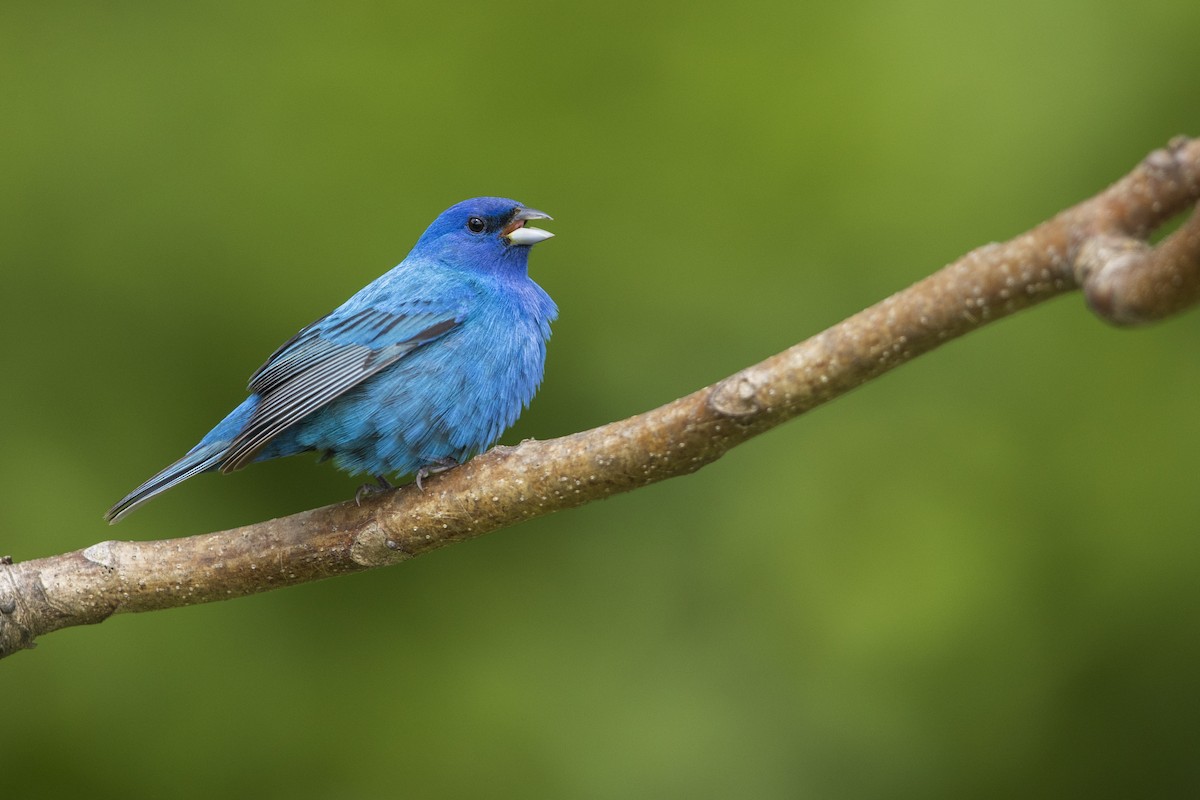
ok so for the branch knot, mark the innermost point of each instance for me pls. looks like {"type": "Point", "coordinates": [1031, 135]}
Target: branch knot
{"type": "Point", "coordinates": [375, 547]}
{"type": "Point", "coordinates": [736, 397]}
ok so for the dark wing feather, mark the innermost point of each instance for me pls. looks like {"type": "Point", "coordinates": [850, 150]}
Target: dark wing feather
{"type": "Point", "coordinates": [327, 359]}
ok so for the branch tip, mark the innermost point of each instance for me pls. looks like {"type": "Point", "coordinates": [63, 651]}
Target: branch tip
{"type": "Point", "coordinates": [1128, 282]}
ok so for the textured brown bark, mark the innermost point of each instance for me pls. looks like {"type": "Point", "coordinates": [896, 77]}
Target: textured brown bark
{"type": "Point", "coordinates": [1098, 245]}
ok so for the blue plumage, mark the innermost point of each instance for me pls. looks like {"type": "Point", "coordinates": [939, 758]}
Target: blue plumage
{"type": "Point", "coordinates": [424, 367]}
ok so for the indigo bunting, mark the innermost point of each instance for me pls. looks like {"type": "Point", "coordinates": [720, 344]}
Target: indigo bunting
{"type": "Point", "coordinates": [423, 368]}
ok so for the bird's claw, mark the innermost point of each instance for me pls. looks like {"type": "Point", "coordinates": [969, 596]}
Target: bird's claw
{"type": "Point", "coordinates": [367, 489]}
{"type": "Point", "coordinates": [441, 465]}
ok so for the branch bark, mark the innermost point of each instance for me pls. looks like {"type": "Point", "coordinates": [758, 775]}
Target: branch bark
{"type": "Point", "coordinates": [1099, 246]}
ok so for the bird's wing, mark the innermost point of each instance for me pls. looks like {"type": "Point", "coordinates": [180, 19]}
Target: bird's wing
{"type": "Point", "coordinates": [328, 358]}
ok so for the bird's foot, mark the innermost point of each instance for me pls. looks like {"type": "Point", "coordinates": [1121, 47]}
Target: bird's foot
{"type": "Point", "coordinates": [380, 486]}
{"type": "Point", "coordinates": [441, 465]}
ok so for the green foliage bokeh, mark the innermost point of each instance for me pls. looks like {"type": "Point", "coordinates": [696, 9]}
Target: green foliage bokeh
{"type": "Point", "coordinates": [974, 577]}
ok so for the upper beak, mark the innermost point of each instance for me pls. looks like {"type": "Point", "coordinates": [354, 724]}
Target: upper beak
{"type": "Point", "coordinates": [516, 232]}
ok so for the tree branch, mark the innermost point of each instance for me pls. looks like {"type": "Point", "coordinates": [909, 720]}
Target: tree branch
{"type": "Point", "coordinates": [1098, 245]}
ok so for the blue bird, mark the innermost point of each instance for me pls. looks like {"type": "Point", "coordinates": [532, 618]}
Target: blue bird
{"type": "Point", "coordinates": [420, 370]}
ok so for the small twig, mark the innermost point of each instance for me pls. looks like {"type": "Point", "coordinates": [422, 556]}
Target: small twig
{"type": "Point", "coordinates": [1097, 244]}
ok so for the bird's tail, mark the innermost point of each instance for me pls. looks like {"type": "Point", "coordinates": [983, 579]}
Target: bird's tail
{"type": "Point", "coordinates": [203, 457]}
{"type": "Point", "coordinates": [200, 459]}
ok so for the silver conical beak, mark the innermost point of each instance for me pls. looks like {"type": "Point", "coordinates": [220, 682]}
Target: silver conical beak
{"type": "Point", "coordinates": [518, 233]}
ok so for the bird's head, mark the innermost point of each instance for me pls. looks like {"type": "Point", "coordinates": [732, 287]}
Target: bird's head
{"type": "Point", "coordinates": [483, 231]}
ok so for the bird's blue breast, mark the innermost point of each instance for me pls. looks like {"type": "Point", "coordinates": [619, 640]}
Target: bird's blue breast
{"type": "Point", "coordinates": [449, 399]}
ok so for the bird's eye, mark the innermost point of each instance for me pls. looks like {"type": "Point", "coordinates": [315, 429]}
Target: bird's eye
{"type": "Point", "coordinates": [476, 225]}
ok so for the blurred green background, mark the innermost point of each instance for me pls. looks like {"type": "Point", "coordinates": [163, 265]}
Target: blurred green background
{"type": "Point", "coordinates": [974, 577]}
